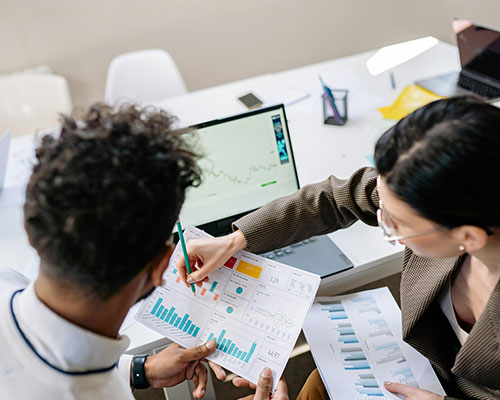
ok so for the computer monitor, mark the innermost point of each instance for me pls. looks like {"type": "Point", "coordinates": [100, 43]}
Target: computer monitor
{"type": "Point", "coordinates": [247, 161]}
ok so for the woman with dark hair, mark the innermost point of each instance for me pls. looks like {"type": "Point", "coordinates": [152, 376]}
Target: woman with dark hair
{"type": "Point", "coordinates": [435, 190]}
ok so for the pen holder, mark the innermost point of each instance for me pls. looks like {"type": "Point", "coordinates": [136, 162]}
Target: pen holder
{"type": "Point", "coordinates": [340, 96]}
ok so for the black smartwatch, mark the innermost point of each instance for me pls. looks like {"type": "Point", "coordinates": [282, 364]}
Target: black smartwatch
{"type": "Point", "coordinates": [139, 380]}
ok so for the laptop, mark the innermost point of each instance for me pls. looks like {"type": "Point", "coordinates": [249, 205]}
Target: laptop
{"type": "Point", "coordinates": [247, 161]}
{"type": "Point", "coordinates": [479, 50]}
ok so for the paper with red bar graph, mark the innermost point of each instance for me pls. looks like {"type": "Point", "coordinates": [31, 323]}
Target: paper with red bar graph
{"type": "Point", "coordinates": [253, 307]}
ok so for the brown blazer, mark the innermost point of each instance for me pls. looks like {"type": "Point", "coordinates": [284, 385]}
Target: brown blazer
{"type": "Point", "coordinates": [471, 371]}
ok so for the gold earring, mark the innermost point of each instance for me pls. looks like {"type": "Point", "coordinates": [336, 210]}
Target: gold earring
{"type": "Point", "coordinates": [461, 247]}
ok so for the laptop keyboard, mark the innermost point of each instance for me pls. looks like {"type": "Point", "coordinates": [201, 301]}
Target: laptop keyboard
{"type": "Point", "coordinates": [478, 87]}
{"type": "Point", "coordinates": [287, 250]}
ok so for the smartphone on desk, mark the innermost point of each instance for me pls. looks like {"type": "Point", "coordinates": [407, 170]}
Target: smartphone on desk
{"type": "Point", "coordinates": [250, 101]}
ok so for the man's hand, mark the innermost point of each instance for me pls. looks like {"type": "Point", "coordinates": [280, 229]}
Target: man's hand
{"type": "Point", "coordinates": [176, 364]}
{"type": "Point", "coordinates": [263, 387]}
{"type": "Point", "coordinates": [207, 255]}
{"type": "Point", "coordinates": [410, 392]}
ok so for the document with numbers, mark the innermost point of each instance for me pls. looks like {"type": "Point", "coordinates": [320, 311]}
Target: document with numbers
{"type": "Point", "coordinates": [357, 344]}
{"type": "Point", "coordinates": [253, 307]}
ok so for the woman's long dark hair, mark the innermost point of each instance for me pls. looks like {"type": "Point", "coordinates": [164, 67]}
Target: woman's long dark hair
{"type": "Point", "coordinates": [444, 161]}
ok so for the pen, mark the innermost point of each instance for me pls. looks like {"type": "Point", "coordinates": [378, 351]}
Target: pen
{"type": "Point", "coordinates": [393, 81]}
{"type": "Point", "coordinates": [329, 95]}
{"type": "Point", "coordinates": [184, 250]}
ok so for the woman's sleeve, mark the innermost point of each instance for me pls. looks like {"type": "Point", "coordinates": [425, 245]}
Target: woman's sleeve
{"type": "Point", "coordinates": [313, 210]}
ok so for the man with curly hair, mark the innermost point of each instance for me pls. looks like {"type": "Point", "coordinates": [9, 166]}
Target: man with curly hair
{"type": "Point", "coordinates": [100, 208]}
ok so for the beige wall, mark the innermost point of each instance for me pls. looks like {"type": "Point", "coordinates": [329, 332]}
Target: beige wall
{"type": "Point", "coordinates": [214, 41]}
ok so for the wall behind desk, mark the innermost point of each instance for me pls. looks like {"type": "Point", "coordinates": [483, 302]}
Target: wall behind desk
{"type": "Point", "coordinates": [214, 41]}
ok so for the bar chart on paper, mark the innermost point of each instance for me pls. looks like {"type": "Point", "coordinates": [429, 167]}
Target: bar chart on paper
{"type": "Point", "coordinates": [225, 345]}
{"type": "Point", "coordinates": [363, 346]}
{"type": "Point", "coordinates": [182, 322]}
{"type": "Point", "coordinates": [252, 307]}
{"type": "Point", "coordinates": [178, 322]}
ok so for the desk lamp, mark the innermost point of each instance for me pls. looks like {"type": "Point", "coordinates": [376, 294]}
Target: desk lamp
{"type": "Point", "coordinates": [389, 57]}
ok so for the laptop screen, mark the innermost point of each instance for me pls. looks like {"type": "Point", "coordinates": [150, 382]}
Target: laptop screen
{"type": "Point", "coordinates": [479, 48]}
{"type": "Point", "coordinates": [247, 161]}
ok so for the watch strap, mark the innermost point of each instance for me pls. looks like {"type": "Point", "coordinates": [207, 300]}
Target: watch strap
{"type": "Point", "coordinates": [139, 380]}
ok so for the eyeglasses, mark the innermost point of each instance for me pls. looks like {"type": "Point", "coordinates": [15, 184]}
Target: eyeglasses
{"type": "Point", "coordinates": [390, 235]}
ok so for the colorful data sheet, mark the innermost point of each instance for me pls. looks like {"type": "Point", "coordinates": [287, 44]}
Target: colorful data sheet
{"type": "Point", "coordinates": [253, 307]}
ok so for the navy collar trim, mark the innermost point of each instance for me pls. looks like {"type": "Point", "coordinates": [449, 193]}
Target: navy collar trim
{"type": "Point", "coordinates": [32, 348]}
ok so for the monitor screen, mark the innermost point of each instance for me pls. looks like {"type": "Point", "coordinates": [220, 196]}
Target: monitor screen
{"type": "Point", "coordinates": [479, 48]}
{"type": "Point", "coordinates": [247, 161]}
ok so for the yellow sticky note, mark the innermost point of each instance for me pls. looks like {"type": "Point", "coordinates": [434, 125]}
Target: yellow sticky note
{"type": "Point", "coordinates": [411, 98]}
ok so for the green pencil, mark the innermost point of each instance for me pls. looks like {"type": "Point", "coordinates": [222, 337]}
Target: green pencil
{"type": "Point", "coordinates": [184, 250]}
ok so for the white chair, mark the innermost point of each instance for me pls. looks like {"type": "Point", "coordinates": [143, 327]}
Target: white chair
{"type": "Point", "coordinates": [4, 154]}
{"type": "Point", "coordinates": [143, 77]}
{"type": "Point", "coordinates": [31, 102]}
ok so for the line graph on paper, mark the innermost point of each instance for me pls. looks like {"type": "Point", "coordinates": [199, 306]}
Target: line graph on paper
{"type": "Point", "coordinates": [269, 317]}
{"type": "Point", "coordinates": [279, 318]}
{"type": "Point", "coordinates": [271, 321]}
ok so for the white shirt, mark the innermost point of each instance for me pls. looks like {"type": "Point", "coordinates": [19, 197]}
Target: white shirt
{"type": "Point", "coordinates": [446, 304]}
{"type": "Point", "coordinates": [38, 348]}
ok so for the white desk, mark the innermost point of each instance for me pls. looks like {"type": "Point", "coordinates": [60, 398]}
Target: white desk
{"type": "Point", "coordinates": [320, 150]}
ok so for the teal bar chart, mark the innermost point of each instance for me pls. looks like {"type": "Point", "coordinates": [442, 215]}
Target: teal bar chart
{"type": "Point", "coordinates": [227, 346]}
{"type": "Point", "coordinates": [182, 323]}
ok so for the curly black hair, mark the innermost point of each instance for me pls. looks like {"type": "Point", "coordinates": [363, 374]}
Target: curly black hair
{"type": "Point", "coordinates": [104, 196]}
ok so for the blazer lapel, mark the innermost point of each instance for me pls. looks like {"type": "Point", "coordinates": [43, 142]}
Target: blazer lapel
{"type": "Point", "coordinates": [421, 281]}
{"type": "Point", "coordinates": [479, 358]}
